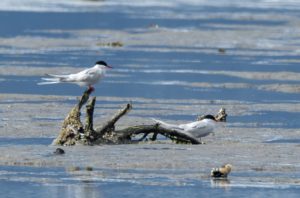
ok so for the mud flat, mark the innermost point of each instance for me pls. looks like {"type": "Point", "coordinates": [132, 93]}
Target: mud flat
{"type": "Point", "coordinates": [174, 61]}
{"type": "Point", "coordinates": [264, 158]}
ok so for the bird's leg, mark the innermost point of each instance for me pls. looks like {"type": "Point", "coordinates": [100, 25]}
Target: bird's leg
{"type": "Point", "coordinates": [91, 88]}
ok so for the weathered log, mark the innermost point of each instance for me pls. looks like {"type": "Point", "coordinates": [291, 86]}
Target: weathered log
{"type": "Point", "coordinates": [129, 132]}
{"type": "Point", "coordinates": [73, 132]}
{"type": "Point", "coordinates": [89, 123]}
{"type": "Point", "coordinates": [221, 116]}
{"type": "Point", "coordinates": [110, 125]}
{"type": "Point", "coordinates": [72, 127]}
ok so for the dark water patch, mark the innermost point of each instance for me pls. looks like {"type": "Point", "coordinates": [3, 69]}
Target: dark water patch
{"type": "Point", "coordinates": [58, 20]}
{"type": "Point", "coordinates": [200, 60]}
{"type": "Point", "coordinates": [109, 20]}
{"type": "Point", "coordinates": [74, 58]}
{"type": "Point", "coordinates": [48, 34]}
{"type": "Point", "coordinates": [120, 59]}
{"type": "Point", "coordinates": [270, 119]}
{"type": "Point", "coordinates": [241, 22]}
{"type": "Point", "coordinates": [25, 141]}
{"type": "Point", "coordinates": [235, 9]}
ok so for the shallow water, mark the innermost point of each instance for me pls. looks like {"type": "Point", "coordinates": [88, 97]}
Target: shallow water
{"type": "Point", "coordinates": [42, 182]}
{"type": "Point", "coordinates": [180, 59]}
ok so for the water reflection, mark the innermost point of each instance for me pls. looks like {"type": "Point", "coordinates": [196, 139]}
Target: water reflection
{"type": "Point", "coordinates": [81, 190]}
{"type": "Point", "coordinates": [220, 183]}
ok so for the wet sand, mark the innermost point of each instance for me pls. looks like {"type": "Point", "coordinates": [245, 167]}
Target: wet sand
{"type": "Point", "coordinates": [242, 57]}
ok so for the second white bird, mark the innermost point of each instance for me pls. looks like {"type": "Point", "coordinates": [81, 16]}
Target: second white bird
{"type": "Point", "coordinates": [197, 129]}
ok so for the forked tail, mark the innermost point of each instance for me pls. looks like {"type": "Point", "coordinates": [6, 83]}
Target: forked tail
{"type": "Point", "coordinates": [53, 79]}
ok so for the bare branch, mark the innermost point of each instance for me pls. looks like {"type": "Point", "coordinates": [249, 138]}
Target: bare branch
{"type": "Point", "coordinates": [110, 125]}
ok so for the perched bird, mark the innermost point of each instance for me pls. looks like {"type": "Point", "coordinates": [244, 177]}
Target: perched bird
{"type": "Point", "coordinates": [221, 172]}
{"type": "Point", "coordinates": [197, 129]}
{"type": "Point", "coordinates": [87, 77]}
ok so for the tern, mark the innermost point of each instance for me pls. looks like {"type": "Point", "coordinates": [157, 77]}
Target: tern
{"type": "Point", "coordinates": [87, 77]}
{"type": "Point", "coordinates": [197, 129]}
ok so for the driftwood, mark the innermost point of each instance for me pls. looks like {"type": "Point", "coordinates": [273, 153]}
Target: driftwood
{"type": "Point", "coordinates": [73, 132]}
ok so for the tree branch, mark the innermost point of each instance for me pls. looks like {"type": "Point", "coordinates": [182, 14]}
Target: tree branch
{"type": "Point", "coordinates": [156, 129]}
{"type": "Point", "coordinates": [110, 125]}
{"type": "Point", "coordinates": [89, 117]}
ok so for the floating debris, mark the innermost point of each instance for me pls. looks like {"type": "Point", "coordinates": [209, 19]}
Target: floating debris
{"type": "Point", "coordinates": [221, 172]}
{"type": "Point", "coordinates": [73, 168]}
{"type": "Point", "coordinates": [222, 50]}
{"type": "Point", "coordinates": [59, 151]}
{"type": "Point", "coordinates": [112, 44]}
{"type": "Point", "coordinates": [89, 168]}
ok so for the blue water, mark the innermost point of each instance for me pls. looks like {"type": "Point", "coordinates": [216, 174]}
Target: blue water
{"type": "Point", "coordinates": [124, 189]}
{"type": "Point", "coordinates": [25, 141]}
{"type": "Point", "coordinates": [145, 81]}
{"type": "Point", "coordinates": [62, 184]}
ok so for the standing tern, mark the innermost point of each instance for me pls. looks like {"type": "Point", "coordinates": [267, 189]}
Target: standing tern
{"type": "Point", "coordinates": [87, 77]}
{"type": "Point", "coordinates": [197, 129]}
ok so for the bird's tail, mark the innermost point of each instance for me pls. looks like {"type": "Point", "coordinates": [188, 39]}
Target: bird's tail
{"type": "Point", "coordinates": [56, 76]}
{"type": "Point", "coordinates": [48, 82]}
{"type": "Point", "coordinates": [53, 80]}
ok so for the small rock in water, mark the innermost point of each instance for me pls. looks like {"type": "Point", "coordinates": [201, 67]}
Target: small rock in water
{"type": "Point", "coordinates": [221, 172]}
{"type": "Point", "coordinates": [73, 168]}
{"type": "Point", "coordinates": [221, 50]}
{"type": "Point", "coordinates": [59, 151]}
{"type": "Point", "coordinates": [89, 168]}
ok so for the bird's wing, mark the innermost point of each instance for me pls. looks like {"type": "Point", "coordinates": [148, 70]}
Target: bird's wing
{"type": "Point", "coordinates": [198, 129]}
{"type": "Point", "coordinates": [85, 75]}
{"type": "Point", "coordinates": [202, 124]}
{"type": "Point", "coordinates": [168, 126]}
{"type": "Point", "coordinates": [56, 76]}
{"type": "Point", "coordinates": [193, 125]}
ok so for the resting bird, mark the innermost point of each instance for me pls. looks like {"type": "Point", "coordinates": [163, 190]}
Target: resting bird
{"type": "Point", "coordinates": [87, 77]}
{"type": "Point", "coordinates": [221, 172]}
{"type": "Point", "coordinates": [197, 129]}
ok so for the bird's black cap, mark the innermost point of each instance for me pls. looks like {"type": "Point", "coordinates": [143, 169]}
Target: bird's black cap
{"type": "Point", "coordinates": [208, 117]}
{"type": "Point", "coordinates": [101, 63]}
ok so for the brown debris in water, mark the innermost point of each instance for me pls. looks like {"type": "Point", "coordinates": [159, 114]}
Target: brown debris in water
{"type": "Point", "coordinates": [112, 44]}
